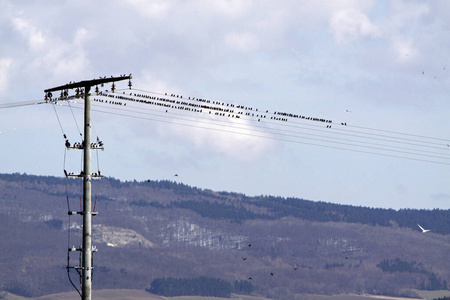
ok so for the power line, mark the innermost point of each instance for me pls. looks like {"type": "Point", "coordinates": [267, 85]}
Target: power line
{"type": "Point", "coordinates": [59, 121]}
{"type": "Point", "coordinates": [75, 119]}
{"type": "Point", "coordinates": [293, 119]}
{"type": "Point", "coordinates": [283, 126]}
{"type": "Point", "coordinates": [280, 137]}
{"type": "Point", "coordinates": [292, 133]}
{"type": "Point", "coordinates": [342, 129]}
{"type": "Point", "coordinates": [334, 132]}
{"type": "Point", "coordinates": [24, 103]}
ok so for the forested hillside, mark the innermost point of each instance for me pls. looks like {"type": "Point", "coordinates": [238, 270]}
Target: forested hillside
{"type": "Point", "coordinates": [151, 231]}
{"type": "Point", "coordinates": [238, 207]}
{"type": "Point", "coordinates": [274, 208]}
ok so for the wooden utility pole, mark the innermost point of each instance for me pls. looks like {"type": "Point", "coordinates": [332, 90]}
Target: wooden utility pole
{"type": "Point", "coordinates": [86, 249]}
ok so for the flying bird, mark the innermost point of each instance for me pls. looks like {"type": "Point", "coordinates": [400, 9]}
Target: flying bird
{"type": "Point", "coordinates": [423, 230]}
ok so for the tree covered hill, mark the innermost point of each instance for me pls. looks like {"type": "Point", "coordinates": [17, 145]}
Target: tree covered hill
{"type": "Point", "coordinates": [157, 230]}
{"type": "Point", "coordinates": [239, 208]}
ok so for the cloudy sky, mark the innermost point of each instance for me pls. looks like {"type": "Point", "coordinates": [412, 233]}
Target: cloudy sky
{"type": "Point", "coordinates": [381, 67]}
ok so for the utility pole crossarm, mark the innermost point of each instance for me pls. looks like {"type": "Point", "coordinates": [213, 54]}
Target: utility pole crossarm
{"type": "Point", "coordinates": [85, 83]}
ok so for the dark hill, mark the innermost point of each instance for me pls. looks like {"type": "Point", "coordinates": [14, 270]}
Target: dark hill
{"type": "Point", "coordinates": [162, 229]}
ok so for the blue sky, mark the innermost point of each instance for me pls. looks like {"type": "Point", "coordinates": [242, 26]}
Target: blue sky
{"type": "Point", "coordinates": [372, 64]}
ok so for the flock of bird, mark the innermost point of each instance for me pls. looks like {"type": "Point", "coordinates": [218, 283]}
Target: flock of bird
{"type": "Point", "coordinates": [245, 258]}
{"type": "Point", "coordinates": [199, 105]}
{"type": "Point", "coordinates": [295, 268]}
{"type": "Point", "coordinates": [175, 101]}
{"type": "Point", "coordinates": [97, 174]}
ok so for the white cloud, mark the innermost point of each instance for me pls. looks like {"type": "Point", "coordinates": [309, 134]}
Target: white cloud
{"type": "Point", "coordinates": [52, 53]}
{"type": "Point", "coordinates": [36, 38]}
{"type": "Point", "coordinates": [152, 83]}
{"type": "Point", "coordinates": [404, 15]}
{"type": "Point", "coordinates": [70, 58]}
{"type": "Point", "coordinates": [404, 49]}
{"type": "Point", "coordinates": [350, 24]}
{"type": "Point", "coordinates": [81, 36]}
{"type": "Point", "coordinates": [151, 8]}
{"type": "Point", "coordinates": [72, 64]}
{"type": "Point", "coordinates": [64, 61]}
{"type": "Point", "coordinates": [230, 8]}
{"type": "Point", "coordinates": [406, 31]}
{"type": "Point", "coordinates": [236, 139]}
{"type": "Point", "coordinates": [245, 42]}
